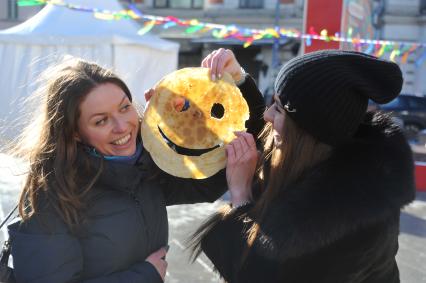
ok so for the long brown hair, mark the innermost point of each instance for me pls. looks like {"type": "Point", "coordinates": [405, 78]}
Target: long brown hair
{"type": "Point", "coordinates": [283, 165]}
{"type": "Point", "coordinates": [279, 166]}
{"type": "Point", "coordinates": [49, 143]}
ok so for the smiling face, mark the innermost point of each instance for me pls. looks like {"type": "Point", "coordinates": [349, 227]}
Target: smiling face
{"type": "Point", "coordinates": [108, 121]}
{"type": "Point", "coordinates": [189, 119]}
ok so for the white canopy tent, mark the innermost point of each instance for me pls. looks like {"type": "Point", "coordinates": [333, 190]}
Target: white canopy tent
{"type": "Point", "coordinates": [29, 48]}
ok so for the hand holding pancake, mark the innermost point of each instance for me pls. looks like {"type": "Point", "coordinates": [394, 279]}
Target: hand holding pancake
{"type": "Point", "coordinates": [148, 94]}
{"type": "Point", "coordinates": [221, 61]}
{"type": "Point", "coordinates": [240, 167]}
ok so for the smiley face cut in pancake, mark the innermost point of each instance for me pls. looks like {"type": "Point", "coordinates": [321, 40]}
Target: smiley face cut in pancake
{"type": "Point", "coordinates": [190, 119]}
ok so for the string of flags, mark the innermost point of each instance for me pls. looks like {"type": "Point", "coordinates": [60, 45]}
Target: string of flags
{"type": "Point", "coordinates": [395, 50]}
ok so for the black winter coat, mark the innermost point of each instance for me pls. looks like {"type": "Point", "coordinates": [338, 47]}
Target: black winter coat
{"type": "Point", "coordinates": [126, 221]}
{"type": "Point", "coordinates": [338, 224]}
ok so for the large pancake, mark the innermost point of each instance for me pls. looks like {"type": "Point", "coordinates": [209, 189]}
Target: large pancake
{"type": "Point", "coordinates": [195, 114]}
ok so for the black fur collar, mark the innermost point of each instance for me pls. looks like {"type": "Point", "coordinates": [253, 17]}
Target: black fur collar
{"type": "Point", "coordinates": [364, 181]}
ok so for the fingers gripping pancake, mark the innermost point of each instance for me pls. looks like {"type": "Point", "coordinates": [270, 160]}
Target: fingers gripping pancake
{"type": "Point", "coordinates": [188, 121]}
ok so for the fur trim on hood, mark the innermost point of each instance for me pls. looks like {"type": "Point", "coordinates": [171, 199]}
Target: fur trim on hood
{"type": "Point", "coordinates": [364, 182]}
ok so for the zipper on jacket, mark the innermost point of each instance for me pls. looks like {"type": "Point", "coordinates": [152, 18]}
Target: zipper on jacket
{"type": "Point", "coordinates": [136, 199]}
{"type": "Point", "coordinates": [141, 213]}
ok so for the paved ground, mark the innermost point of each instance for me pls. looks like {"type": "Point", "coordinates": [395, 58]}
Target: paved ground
{"type": "Point", "coordinates": [412, 241]}
{"type": "Point", "coordinates": [185, 219]}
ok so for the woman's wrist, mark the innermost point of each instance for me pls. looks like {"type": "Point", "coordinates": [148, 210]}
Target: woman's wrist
{"type": "Point", "coordinates": [241, 78]}
{"type": "Point", "coordinates": [239, 199]}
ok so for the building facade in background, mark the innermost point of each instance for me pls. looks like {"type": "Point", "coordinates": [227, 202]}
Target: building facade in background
{"type": "Point", "coordinates": [405, 20]}
{"type": "Point", "coordinates": [11, 14]}
{"type": "Point", "coordinates": [399, 20]}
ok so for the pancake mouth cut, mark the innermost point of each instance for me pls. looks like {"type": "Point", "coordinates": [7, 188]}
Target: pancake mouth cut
{"type": "Point", "coordinates": [184, 150]}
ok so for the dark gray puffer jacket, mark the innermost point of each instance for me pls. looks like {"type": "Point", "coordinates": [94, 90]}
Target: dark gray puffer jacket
{"type": "Point", "coordinates": [126, 222]}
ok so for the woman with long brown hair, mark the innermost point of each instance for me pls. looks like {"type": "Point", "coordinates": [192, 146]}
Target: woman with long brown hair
{"type": "Point", "coordinates": [93, 208]}
{"type": "Point", "coordinates": [331, 179]}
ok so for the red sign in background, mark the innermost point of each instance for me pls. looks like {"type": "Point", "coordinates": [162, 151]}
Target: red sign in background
{"type": "Point", "coordinates": [420, 174]}
{"type": "Point", "coordinates": [319, 15]}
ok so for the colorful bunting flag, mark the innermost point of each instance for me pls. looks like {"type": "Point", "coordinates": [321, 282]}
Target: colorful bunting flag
{"type": "Point", "coordinates": [247, 36]}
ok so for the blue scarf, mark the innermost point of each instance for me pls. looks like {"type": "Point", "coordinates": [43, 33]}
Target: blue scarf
{"type": "Point", "coordinates": [132, 159]}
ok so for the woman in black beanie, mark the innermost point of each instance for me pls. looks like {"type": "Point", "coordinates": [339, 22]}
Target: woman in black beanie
{"type": "Point", "coordinates": [332, 178]}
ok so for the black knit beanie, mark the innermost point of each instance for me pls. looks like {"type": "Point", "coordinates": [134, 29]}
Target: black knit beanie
{"type": "Point", "coordinates": [326, 92]}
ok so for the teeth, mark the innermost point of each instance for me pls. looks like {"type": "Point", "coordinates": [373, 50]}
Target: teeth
{"type": "Point", "coordinates": [122, 141]}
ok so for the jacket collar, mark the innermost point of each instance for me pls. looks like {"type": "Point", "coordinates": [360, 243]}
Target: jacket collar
{"type": "Point", "coordinates": [115, 175]}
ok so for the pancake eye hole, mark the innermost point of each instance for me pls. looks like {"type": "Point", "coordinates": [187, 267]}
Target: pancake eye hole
{"type": "Point", "coordinates": [181, 104]}
{"type": "Point", "coordinates": [217, 111]}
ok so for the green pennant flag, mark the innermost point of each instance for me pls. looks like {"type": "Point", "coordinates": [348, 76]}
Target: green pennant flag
{"type": "Point", "coordinates": [23, 3]}
{"type": "Point", "coordinates": [193, 29]}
